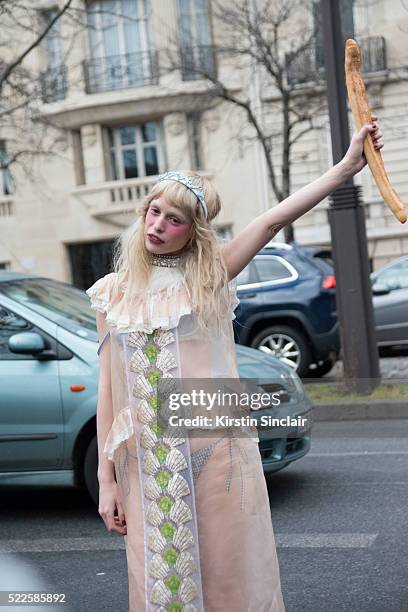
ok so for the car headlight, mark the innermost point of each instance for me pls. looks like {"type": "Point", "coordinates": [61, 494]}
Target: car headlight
{"type": "Point", "coordinates": [278, 394]}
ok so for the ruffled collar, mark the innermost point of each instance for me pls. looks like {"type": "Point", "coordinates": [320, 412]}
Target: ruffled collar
{"type": "Point", "coordinates": [161, 305]}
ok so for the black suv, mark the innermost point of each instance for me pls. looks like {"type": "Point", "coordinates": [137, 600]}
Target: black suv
{"type": "Point", "coordinates": [288, 308]}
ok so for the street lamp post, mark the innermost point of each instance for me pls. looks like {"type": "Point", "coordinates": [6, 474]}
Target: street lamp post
{"type": "Point", "coordinates": [347, 224]}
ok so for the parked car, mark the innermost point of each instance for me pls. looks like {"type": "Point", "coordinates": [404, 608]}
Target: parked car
{"type": "Point", "coordinates": [288, 308]}
{"type": "Point", "coordinates": [390, 299]}
{"type": "Point", "coordinates": [49, 379]}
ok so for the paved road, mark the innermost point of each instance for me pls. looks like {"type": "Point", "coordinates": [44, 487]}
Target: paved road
{"type": "Point", "coordinates": [340, 518]}
{"type": "Point", "coordinates": [342, 514]}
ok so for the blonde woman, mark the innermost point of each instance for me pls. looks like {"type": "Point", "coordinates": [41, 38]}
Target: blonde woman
{"type": "Point", "coordinates": [194, 509]}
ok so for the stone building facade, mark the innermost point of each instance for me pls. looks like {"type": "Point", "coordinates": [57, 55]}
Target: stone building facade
{"type": "Point", "coordinates": [124, 119]}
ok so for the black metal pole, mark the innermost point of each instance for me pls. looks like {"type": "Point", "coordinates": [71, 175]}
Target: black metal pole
{"type": "Point", "coordinates": [347, 223]}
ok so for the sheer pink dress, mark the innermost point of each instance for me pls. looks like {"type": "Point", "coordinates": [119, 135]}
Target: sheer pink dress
{"type": "Point", "coordinates": [199, 531]}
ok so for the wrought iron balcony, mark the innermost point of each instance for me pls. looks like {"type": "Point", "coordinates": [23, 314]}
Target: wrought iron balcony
{"type": "Point", "coordinates": [6, 206]}
{"type": "Point", "coordinates": [121, 71]}
{"type": "Point", "coordinates": [54, 84]}
{"type": "Point", "coordinates": [309, 66]}
{"type": "Point", "coordinates": [197, 62]}
{"type": "Point", "coordinates": [373, 54]}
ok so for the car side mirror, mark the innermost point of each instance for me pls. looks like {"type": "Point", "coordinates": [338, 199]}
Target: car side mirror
{"type": "Point", "coordinates": [26, 343]}
{"type": "Point", "coordinates": [379, 289]}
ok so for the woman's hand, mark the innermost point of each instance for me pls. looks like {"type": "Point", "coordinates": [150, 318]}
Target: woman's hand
{"type": "Point", "coordinates": [111, 508]}
{"type": "Point", "coordinates": [355, 160]}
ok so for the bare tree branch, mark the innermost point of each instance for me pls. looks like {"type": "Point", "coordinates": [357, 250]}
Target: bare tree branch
{"type": "Point", "coordinates": [13, 65]}
{"type": "Point", "coordinates": [259, 37]}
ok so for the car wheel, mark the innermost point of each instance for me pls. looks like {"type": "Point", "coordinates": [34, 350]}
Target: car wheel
{"type": "Point", "coordinates": [320, 369]}
{"type": "Point", "coordinates": [287, 344]}
{"type": "Point", "coordinates": [91, 469]}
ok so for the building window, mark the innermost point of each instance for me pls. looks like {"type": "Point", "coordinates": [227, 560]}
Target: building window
{"type": "Point", "coordinates": [135, 150]}
{"type": "Point", "coordinates": [194, 133]}
{"type": "Point", "coordinates": [197, 53]}
{"type": "Point", "coordinates": [89, 261]}
{"type": "Point", "coordinates": [54, 80]}
{"type": "Point", "coordinates": [224, 232]}
{"type": "Point", "coordinates": [121, 54]}
{"type": "Point", "coordinates": [308, 65]}
{"type": "Point", "coordinates": [6, 183]}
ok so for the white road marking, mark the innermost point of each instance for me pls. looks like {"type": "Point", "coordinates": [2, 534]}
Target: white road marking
{"type": "Point", "coordinates": [356, 454]}
{"type": "Point", "coordinates": [62, 544]}
{"type": "Point", "coordinates": [283, 540]}
{"type": "Point", "coordinates": [356, 483]}
{"type": "Point", "coordinates": [325, 540]}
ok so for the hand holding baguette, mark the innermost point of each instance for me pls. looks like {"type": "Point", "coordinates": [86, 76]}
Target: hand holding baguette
{"type": "Point", "coordinates": [362, 115]}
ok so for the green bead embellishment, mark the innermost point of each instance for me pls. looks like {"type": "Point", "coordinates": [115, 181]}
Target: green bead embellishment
{"type": "Point", "coordinates": [170, 556]}
{"type": "Point", "coordinates": [161, 453]}
{"type": "Point", "coordinates": [151, 352]}
{"type": "Point", "coordinates": [154, 402]}
{"type": "Point", "coordinates": [175, 607]}
{"type": "Point", "coordinates": [167, 530]}
{"type": "Point", "coordinates": [153, 377]}
{"type": "Point", "coordinates": [173, 583]}
{"type": "Point", "coordinates": [165, 504]}
{"type": "Point", "coordinates": [163, 479]}
{"type": "Point", "coordinates": [158, 428]}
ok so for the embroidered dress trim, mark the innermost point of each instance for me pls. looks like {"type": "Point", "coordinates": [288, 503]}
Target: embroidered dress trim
{"type": "Point", "coordinates": [172, 568]}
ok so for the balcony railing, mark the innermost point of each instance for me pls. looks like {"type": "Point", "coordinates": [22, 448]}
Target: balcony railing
{"type": "Point", "coordinates": [197, 62]}
{"type": "Point", "coordinates": [121, 71]}
{"type": "Point", "coordinates": [373, 54]}
{"type": "Point", "coordinates": [116, 201]}
{"type": "Point", "coordinates": [309, 66]}
{"type": "Point", "coordinates": [6, 206]}
{"type": "Point", "coordinates": [54, 84]}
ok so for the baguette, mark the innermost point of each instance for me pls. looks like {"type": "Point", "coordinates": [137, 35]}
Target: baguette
{"type": "Point", "coordinates": [362, 115]}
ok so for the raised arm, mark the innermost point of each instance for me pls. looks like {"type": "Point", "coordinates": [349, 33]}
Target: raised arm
{"type": "Point", "coordinates": [243, 247]}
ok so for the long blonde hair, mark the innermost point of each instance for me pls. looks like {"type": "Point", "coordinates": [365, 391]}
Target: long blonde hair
{"type": "Point", "coordinates": [205, 274]}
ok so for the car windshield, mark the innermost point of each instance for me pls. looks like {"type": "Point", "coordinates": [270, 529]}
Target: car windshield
{"type": "Point", "coordinates": [61, 303]}
{"type": "Point", "coordinates": [394, 276]}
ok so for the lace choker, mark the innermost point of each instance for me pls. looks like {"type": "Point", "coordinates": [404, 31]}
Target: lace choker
{"type": "Point", "coordinates": [165, 261]}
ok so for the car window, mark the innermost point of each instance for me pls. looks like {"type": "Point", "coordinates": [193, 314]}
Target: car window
{"type": "Point", "coordinates": [271, 268]}
{"type": "Point", "coordinates": [245, 276]}
{"type": "Point", "coordinates": [59, 302]}
{"type": "Point", "coordinates": [324, 265]}
{"type": "Point", "coordinates": [394, 277]}
{"type": "Point", "coordinates": [11, 324]}
{"type": "Point", "coordinates": [320, 255]}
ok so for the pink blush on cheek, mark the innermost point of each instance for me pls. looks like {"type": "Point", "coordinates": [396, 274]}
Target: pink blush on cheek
{"type": "Point", "coordinates": [177, 231]}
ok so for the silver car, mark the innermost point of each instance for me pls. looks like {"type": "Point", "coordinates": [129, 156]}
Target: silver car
{"type": "Point", "coordinates": [49, 383]}
{"type": "Point", "coordinates": [390, 299]}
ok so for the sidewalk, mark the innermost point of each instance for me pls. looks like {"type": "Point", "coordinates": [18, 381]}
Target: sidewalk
{"type": "Point", "coordinates": [361, 410]}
